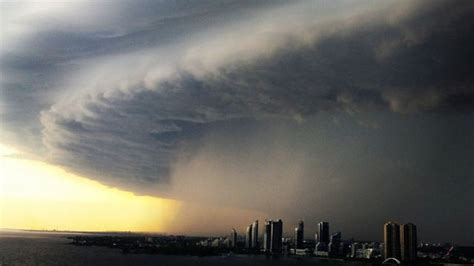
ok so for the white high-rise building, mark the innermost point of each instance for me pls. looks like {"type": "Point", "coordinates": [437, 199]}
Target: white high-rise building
{"type": "Point", "coordinates": [255, 244]}
{"type": "Point", "coordinates": [248, 237]}
{"type": "Point", "coordinates": [233, 238]}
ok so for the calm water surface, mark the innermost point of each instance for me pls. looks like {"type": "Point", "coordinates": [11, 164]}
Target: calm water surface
{"type": "Point", "coordinates": [33, 248]}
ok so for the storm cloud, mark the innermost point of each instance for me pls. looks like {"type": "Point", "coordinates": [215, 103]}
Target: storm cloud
{"type": "Point", "coordinates": [229, 102]}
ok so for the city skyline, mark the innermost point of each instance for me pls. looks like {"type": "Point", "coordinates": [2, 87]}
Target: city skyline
{"type": "Point", "coordinates": [196, 117]}
{"type": "Point", "coordinates": [399, 245]}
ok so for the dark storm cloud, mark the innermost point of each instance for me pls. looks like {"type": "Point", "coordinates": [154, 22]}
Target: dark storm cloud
{"type": "Point", "coordinates": [419, 62]}
{"type": "Point", "coordinates": [218, 96]}
{"type": "Point", "coordinates": [45, 44]}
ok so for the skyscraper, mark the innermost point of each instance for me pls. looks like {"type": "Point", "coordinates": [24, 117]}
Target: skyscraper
{"type": "Point", "coordinates": [255, 235]}
{"type": "Point", "coordinates": [322, 238]}
{"type": "Point", "coordinates": [299, 235]}
{"type": "Point", "coordinates": [248, 237]}
{"type": "Point", "coordinates": [277, 234]}
{"type": "Point", "coordinates": [391, 238]}
{"type": "Point", "coordinates": [267, 236]}
{"type": "Point", "coordinates": [323, 232]}
{"type": "Point", "coordinates": [408, 242]}
{"type": "Point", "coordinates": [272, 237]}
{"type": "Point", "coordinates": [233, 238]}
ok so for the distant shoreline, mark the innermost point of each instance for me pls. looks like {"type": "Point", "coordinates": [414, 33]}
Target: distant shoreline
{"type": "Point", "coordinates": [118, 233]}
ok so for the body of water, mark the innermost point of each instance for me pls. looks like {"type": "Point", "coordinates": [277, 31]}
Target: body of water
{"type": "Point", "coordinates": [41, 248]}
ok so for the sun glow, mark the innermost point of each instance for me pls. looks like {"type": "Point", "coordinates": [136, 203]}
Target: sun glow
{"type": "Point", "coordinates": [37, 195]}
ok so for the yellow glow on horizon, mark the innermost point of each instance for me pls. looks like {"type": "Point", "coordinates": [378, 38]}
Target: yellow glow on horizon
{"type": "Point", "coordinates": [37, 195]}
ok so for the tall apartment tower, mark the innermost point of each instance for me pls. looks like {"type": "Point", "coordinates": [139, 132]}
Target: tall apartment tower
{"type": "Point", "coordinates": [267, 236]}
{"type": "Point", "coordinates": [391, 239]}
{"type": "Point", "coordinates": [248, 237]}
{"type": "Point", "coordinates": [272, 236]}
{"type": "Point", "coordinates": [323, 232]}
{"type": "Point", "coordinates": [255, 235]}
{"type": "Point", "coordinates": [233, 238]}
{"type": "Point", "coordinates": [277, 234]}
{"type": "Point", "coordinates": [299, 235]}
{"type": "Point", "coordinates": [408, 242]}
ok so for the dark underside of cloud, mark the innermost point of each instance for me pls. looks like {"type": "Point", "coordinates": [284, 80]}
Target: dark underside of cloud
{"type": "Point", "coordinates": [402, 87]}
{"type": "Point", "coordinates": [423, 63]}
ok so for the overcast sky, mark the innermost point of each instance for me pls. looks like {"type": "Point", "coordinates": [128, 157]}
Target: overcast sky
{"type": "Point", "coordinates": [354, 112]}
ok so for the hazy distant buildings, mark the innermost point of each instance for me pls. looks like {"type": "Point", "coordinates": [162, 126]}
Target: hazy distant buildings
{"type": "Point", "coordinates": [254, 241]}
{"type": "Point", "coordinates": [400, 242]}
{"type": "Point", "coordinates": [408, 242]}
{"type": "Point", "coordinates": [334, 247]}
{"type": "Point", "coordinates": [277, 235]}
{"type": "Point", "coordinates": [267, 236]}
{"type": "Point", "coordinates": [299, 235]}
{"type": "Point", "coordinates": [364, 250]}
{"type": "Point", "coordinates": [248, 237]}
{"type": "Point", "coordinates": [272, 238]}
{"type": "Point", "coordinates": [391, 238]}
{"type": "Point", "coordinates": [355, 247]}
{"type": "Point", "coordinates": [251, 236]}
{"type": "Point", "coordinates": [233, 238]}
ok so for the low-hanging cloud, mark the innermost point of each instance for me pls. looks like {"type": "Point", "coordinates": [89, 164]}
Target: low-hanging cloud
{"type": "Point", "coordinates": [130, 125]}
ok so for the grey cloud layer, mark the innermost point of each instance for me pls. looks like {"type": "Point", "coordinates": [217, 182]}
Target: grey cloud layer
{"type": "Point", "coordinates": [136, 134]}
